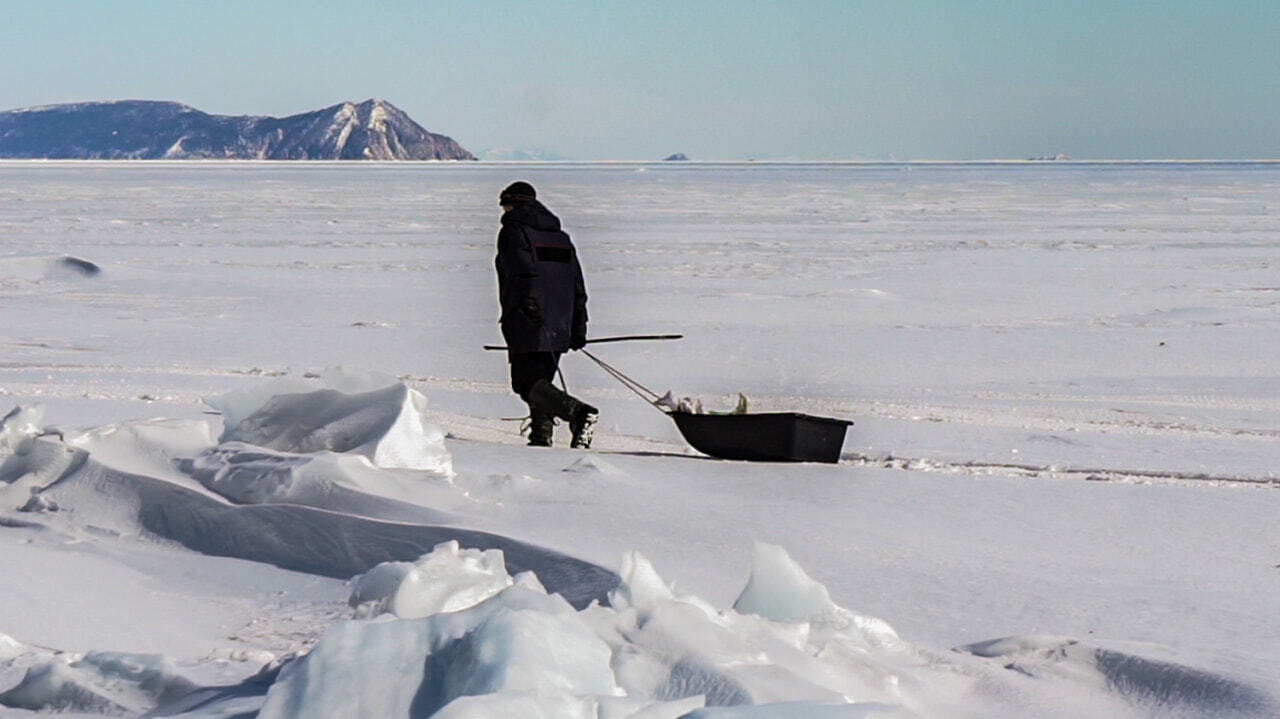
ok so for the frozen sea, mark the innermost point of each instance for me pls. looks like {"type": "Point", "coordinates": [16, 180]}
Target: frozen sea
{"type": "Point", "coordinates": [1135, 298]}
{"type": "Point", "coordinates": [1062, 377]}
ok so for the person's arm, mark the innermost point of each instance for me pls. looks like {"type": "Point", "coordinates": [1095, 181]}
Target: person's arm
{"type": "Point", "coordinates": [578, 336]}
{"type": "Point", "coordinates": [516, 272]}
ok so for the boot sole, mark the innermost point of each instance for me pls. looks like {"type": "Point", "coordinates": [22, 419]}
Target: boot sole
{"type": "Point", "coordinates": [583, 433]}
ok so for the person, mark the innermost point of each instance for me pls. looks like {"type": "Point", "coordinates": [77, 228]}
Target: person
{"type": "Point", "coordinates": [543, 300]}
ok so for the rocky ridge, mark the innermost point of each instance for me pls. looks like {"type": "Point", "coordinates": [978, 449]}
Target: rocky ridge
{"type": "Point", "coordinates": [148, 130]}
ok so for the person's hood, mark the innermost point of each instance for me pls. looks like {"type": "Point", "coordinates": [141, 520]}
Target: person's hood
{"type": "Point", "coordinates": [531, 214]}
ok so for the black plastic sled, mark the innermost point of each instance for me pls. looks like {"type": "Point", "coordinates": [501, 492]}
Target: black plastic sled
{"type": "Point", "coordinates": [765, 437]}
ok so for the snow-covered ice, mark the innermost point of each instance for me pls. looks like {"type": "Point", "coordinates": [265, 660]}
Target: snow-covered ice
{"type": "Point", "coordinates": [255, 462]}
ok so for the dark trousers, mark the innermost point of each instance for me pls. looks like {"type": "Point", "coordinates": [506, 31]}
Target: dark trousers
{"type": "Point", "coordinates": [529, 367]}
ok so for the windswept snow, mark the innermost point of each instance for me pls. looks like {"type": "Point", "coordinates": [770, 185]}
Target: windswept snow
{"type": "Point", "coordinates": [102, 683]}
{"type": "Point", "coordinates": [1058, 499]}
{"type": "Point", "coordinates": [386, 426]}
{"type": "Point", "coordinates": [45, 269]}
{"type": "Point", "coordinates": [440, 626]}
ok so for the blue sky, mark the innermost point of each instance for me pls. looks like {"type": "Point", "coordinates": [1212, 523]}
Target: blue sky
{"type": "Point", "coordinates": [808, 79]}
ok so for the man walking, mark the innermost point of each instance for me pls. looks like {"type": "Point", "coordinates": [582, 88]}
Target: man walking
{"type": "Point", "coordinates": [544, 312]}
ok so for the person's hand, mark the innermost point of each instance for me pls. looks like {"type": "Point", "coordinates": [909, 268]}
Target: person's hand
{"type": "Point", "coordinates": [531, 311]}
{"type": "Point", "coordinates": [577, 342]}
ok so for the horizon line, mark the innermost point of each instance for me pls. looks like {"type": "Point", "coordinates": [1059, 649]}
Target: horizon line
{"type": "Point", "coordinates": [661, 163]}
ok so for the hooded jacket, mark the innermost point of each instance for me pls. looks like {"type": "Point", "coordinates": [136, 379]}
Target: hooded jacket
{"type": "Point", "coordinates": [540, 286]}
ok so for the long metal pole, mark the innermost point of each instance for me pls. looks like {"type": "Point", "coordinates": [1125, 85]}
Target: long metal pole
{"type": "Point", "coordinates": [618, 338]}
{"type": "Point", "coordinates": [629, 338]}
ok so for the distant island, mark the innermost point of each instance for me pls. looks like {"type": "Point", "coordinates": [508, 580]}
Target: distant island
{"type": "Point", "coordinates": [152, 130]}
{"type": "Point", "coordinates": [678, 157]}
{"type": "Point", "coordinates": [511, 154]}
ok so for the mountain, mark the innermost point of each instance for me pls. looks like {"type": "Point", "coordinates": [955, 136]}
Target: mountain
{"type": "Point", "coordinates": [149, 130]}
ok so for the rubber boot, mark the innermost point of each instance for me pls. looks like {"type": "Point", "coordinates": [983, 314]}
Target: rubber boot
{"type": "Point", "coordinates": [583, 427]}
{"type": "Point", "coordinates": [541, 427]}
{"type": "Point", "coordinates": [580, 415]}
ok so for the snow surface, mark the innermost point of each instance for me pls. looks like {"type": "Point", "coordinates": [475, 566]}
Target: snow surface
{"type": "Point", "coordinates": [256, 462]}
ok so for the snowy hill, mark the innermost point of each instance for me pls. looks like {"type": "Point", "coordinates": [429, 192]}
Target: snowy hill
{"type": "Point", "coordinates": [148, 130]}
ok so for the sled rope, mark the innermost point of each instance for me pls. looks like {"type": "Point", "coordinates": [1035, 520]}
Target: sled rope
{"type": "Point", "coordinates": [645, 393]}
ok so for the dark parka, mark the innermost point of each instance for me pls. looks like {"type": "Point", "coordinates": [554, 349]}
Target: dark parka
{"type": "Point", "coordinates": [540, 286]}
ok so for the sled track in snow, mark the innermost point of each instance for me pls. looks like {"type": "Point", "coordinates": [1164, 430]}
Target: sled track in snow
{"type": "Point", "coordinates": [1012, 469]}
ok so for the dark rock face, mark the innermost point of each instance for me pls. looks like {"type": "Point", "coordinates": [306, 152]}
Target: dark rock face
{"type": "Point", "coordinates": [148, 130]}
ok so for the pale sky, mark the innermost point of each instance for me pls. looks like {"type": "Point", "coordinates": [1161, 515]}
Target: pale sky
{"type": "Point", "coordinates": [805, 79]}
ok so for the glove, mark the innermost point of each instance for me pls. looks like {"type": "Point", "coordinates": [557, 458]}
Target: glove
{"type": "Point", "coordinates": [531, 311]}
{"type": "Point", "coordinates": [577, 342]}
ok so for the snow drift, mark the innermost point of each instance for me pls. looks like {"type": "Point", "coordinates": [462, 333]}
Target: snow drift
{"type": "Point", "coordinates": [316, 500]}
{"type": "Point", "coordinates": [1163, 688]}
{"type": "Point", "coordinates": [36, 269]}
{"type": "Point", "coordinates": [455, 623]}
{"type": "Point", "coordinates": [384, 425]}
{"type": "Point", "coordinates": [108, 683]}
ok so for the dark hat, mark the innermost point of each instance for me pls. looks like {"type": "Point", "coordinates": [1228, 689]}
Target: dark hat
{"type": "Point", "coordinates": [517, 192]}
